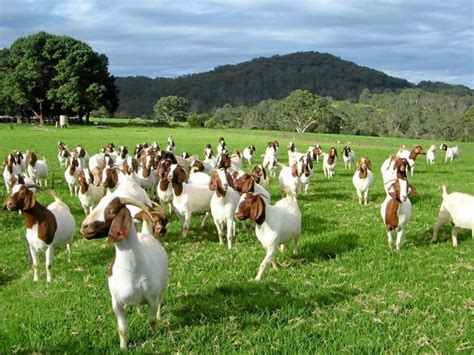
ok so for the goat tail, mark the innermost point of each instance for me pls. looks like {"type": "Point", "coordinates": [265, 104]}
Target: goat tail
{"type": "Point", "coordinates": [54, 195]}
{"type": "Point", "coordinates": [289, 193]}
{"type": "Point", "coordinates": [444, 188]}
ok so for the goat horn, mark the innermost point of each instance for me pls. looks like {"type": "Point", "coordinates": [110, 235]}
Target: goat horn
{"type": "Point", "coordinates": [51, 193]}
{"type": "Point", "coordinates": [158, 205]}
{"type": "Point", "coordinates": [139, 204]}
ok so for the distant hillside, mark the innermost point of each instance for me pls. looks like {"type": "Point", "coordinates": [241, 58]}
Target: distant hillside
{"type": "Point", "coordinates": [250, 82]}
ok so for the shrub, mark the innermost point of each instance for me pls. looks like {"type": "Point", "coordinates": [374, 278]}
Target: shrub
{"type": "Point", "coordinates": [195, 120]}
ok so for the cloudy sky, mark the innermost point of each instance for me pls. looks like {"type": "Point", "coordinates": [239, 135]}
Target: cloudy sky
{"type": "Point", "coordinates": [413, 39]}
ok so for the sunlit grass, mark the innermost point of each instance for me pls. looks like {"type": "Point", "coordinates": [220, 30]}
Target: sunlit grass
{"type": "Point", "coordinates": [343, 291]}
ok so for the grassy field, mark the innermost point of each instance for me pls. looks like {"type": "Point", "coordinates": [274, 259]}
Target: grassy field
{"type": "Point", "coordinates": [344, 291]}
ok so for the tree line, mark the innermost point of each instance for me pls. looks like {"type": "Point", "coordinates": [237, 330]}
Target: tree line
{"type": "Point", "coordinates": [47, 75]}
{"type": "Point", "coordinates": [412, 112]}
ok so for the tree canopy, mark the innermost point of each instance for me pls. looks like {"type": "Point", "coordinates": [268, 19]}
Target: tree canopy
{"type": "Point", "coordinates": [172, 108]}
{"type": "Point", "coordinates": [50, 75]}
{"type": "Point", "coordinates": [302, 111]}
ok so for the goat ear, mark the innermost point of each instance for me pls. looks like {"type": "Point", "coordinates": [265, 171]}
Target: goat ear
{"type": "Point", "coordinates": [358, 164]}
{"type": "Point", "coordinates": [29, 200]}
{"type": "Point", "coordinates": [257, 210]}
{"type": "Point", "coordinates": [294, 170]}
{"type": "Point", "coordinates": [181, 175]}
{"type": "Point", "coordinates": [310, 163]}
{"type": "Point", "coordinates": [120, 226]}
{"type": "Point", "coordinates": [247, 185]}
{"type": "Point", "coordinates": [412, 190]}
{"type": "Point", "coordinates": [369, 164]}
{"type": "Point", "coordinates": [230, 179]}
{"type": "Point", "coordinates": [213, 181]}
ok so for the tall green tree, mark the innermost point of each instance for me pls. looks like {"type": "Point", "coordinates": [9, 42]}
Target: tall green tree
{"type": "Point", "coordinates": [303, 111]}
{"type": "Point", "coordinates": [49, 75]}
{"type": "Point", "coordinates": [172, 108]}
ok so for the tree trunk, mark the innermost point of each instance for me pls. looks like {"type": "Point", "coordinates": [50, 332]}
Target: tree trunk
{"type": "Point", "coordinates": [18, 119]}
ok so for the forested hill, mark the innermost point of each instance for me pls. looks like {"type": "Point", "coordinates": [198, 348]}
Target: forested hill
{"type": "Point", "coordinates": [250, 82]}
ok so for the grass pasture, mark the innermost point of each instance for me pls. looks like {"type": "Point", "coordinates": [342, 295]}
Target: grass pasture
{"type": "Point", "coordinates": [343, 291]}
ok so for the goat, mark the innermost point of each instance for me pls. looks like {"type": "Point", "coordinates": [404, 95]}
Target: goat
{"type": "Point", "coordinates": [139, 272]}
{"type": "Point", "coordinates": [431, 155]}
{"type": "Point", "coordinates": [18, 179]}
{"type": "Point", "coordinates": [164, 190]}
{"type": "Point", "coordinates": [89, 194]}
{"type": "Point", "coordinates": [411, 156]}
{"type": "Point", "coordinates": [63, 156]}
{"type": "Point", "coordinates": [82, 155]}
{"type": "Point", "coordinates": [224, 161]}
{"type": "Point", "coordinates": [171, 145]}
{"type": "Point", "coordinates": [451, 152]}
{"type": "Point", "coordinates": [37, 169]}
{"type": "Point", "coordinates": [307, 173]}
{"type": "Point", "coordinates": [348, 156]}
{"type": "Point", "coordinates": [122, 155]}
{"type": "Point", "coordinates": [260, 176]}
{"type": "Point", "coordinates": [248, 153]}
{"type": "Point", "coordinates": [270, 160]}
{"type": "Point", "coordinates": [393, 168]}
{"type": "Point", "coordinates": [70, 175]}
{"type": "Point", "coordinates": [396, 210]}
{"type": "Point", "coordinates": [146, 175]}
{"type": "Point", "coordinates": [202, 166]}
{"type": "Point", "coordinates": [98, 161]}
{"type": "Point", "coordinates": [20, 160]}
{"type": "Point", "coordinates": [188, 198]}
{"type": "Point", "coordinates": [363, 179]}
{"type": "Point", "coordinates": [457, 208]}
{"type": "Point", "coordinates": [46, 227]}
{"type": "Point", "coordinates": [221, 146]}
{"type": "Point", "coordinates": [110, 150]}
{"type": "Point", "coordinates": [289, 177]}
{"type": "Point", "coordinates": [236, 160]}
{"type": "Point", "coordinates": [315, 151]}
{"type": "Point", "coordinates": [9, 168]}
{"type": "Point", "coordinates": [329, 163]}
{"type": "Point", "coordinates": [246, 183]}
{"type": "Point", "coordinates": [275, 225]}
{"type": "Point", "coordinates": [223, 204]}
{"type": "Point", "coordinates": [293, 154]}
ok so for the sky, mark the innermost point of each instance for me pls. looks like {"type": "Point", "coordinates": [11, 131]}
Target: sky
{"type": "Point", "coordinates": [413, 39]}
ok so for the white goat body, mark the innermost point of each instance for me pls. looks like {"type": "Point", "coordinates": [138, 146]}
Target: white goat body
{"type": "Point", "coordinates": [457, 208]}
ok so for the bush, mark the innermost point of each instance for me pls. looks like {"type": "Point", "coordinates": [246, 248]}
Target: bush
{"type": "Point", "coordinates": [211, 123]}
{"type": "Point", "coordinates": [195, 120]}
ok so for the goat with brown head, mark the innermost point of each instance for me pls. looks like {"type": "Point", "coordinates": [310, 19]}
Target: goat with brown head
{"type": "Point", "coordinates": [252, 206]}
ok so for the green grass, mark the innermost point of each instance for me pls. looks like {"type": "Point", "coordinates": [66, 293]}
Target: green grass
{"type": "Point", "coordinates": [342, 292]}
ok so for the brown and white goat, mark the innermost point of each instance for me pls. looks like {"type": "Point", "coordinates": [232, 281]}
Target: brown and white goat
{"type": "Point", "coordinates": [363, 178]}
{"type": "Point", "coordinates": [275, 225]}
{"type": "Point", "coordinates": [46, 227]}
{"type": "Point", "coordinates": [139, 272]}
{"type": "Point", "coordinates": [329, 162]}
{"type": "Point", "coordinates": [396, 210]}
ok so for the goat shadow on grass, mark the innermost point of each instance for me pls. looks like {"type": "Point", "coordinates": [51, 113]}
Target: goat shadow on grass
{"type": "Point", "coordinates": [243, 299]}
{"type": "Point", "coordinates": [444, 236]}
{"type": "Point", "coordinates": [310, 221]}
{"type": "Point", "coordinates": [327, 248]}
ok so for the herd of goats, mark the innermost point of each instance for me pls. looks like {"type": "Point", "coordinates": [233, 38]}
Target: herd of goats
{"type": "Point", "coordinates": [117, 188]}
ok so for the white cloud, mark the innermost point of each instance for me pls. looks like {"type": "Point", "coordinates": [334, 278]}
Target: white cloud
{"type": "Point", "coordinates": [416, 39]}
